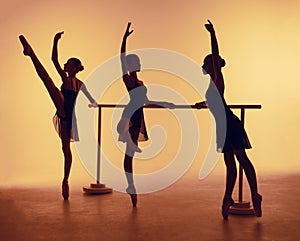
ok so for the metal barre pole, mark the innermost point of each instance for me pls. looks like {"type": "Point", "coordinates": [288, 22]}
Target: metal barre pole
{"type": "Point", "coordinates": [240, 166]}
{"type": "Point", "coordinates": [237, 106]}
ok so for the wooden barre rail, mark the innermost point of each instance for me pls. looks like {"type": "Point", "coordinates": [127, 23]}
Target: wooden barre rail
{"type": "Point", "coordinates": [242, 107]}
{"type": "Point", "coordinates": [182, 106]}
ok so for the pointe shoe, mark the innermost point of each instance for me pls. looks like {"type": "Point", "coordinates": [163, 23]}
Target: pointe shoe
{"type": "Point", "coordinates": [225, 207]}
{"type": "Point", "coordinates": [126, 137]}
{"type": "Point", "coordinates": [134, 147]}
{"type": "Point", "coordinates": [257, 200]}
{"type": "Point", "coordinates": [65, 190]}
{"type": "Point", "coordinates": [27, 50]}
{"type": "Point", "coordinates": [133, 199]}
{"type": "Point", "coordinates": [133, 196]}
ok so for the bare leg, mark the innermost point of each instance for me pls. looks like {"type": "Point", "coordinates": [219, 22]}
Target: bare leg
{"type": "Point", "coordinates": [53, 91]}
{"type": "Point", "coordinates": [251, 178]}
{"type": "Point", "coordinates": [65, 139]}
{"type": "Point", "coordinates": [129, 173]}
{"type": "Point", "coordinates": [129, 176]}
{"type": "Point", "coordinates": [128, 167]}
{"type": "Point", "coordinates": [249, 170]}
{"type": "Point", "coordinates": [231, 174]}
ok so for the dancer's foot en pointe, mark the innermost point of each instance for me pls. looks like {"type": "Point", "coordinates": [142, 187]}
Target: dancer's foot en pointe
{"type": "Point", "coordinates": [130, 143]}
{"type": "Point", "coordinates": [133, 146]}
{"type": "Point", "coordinates": [65, 190]}
{"type": "Point", "coordinates": [27, 50]}
{"type": "Point", "coordinates": [227, 202]}
{"type": "Point", "coordinates": [123, 130]}
{"type": "Point", "coordinates": [257, 200]}
{"type": "Point", "coordinates": [132, 192]}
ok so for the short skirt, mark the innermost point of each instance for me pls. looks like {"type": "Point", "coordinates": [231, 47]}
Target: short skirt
{"type": "Point", "coordinates": [65, 128]}
{"type": "Point", "coordinates": [236, 136]}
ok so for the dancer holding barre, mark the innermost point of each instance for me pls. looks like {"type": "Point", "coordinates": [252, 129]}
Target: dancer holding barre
{"type": "Point", "coordinates": [236, 140]}
{"type": "Point", "coordinates": [131, 127]}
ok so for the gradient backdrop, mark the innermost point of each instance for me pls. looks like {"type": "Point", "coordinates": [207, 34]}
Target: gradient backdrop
{"type": "Point", "coordinates": [259, 40]}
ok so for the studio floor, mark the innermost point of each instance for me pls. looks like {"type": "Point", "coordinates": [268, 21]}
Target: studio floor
{"type": "Point", "coordinates": [188, 210]}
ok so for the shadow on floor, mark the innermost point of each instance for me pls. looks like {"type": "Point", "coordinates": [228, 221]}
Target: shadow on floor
{"type": "Point", "coordinates": [188, 210]}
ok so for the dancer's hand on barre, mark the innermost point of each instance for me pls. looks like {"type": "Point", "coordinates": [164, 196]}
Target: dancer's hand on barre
{"type": "Point", "coordinates": [201, 105]}
{"type": "Point", "coordinates": [93, 105]}
{"type": "Point", "coordinates": [168, 105]}
{"type": "Point", "coordinates": [160, 103]}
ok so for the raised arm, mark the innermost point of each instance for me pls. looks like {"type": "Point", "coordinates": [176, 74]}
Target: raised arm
{"type": "Point", "coordinates": [123, 49]}
{"type": "Point", "coordinates": [218, 76]}
{"type": "Point", "coordinates": [129, 82]}
{"type": "Point", "coordinates": [61, 72]}
{"type": "Point", "coordinates": [214, 46]}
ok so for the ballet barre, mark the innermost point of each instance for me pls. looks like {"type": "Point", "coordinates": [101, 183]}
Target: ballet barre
{"type": "Point", "coordinates": [240, 207]}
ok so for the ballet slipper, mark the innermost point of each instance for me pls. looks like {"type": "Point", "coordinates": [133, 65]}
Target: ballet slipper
{"type": "Point", "coordinates": [132, 146]}
{"type": "Point", "coordinates": [65, 190]}
{"type": "Point", "coordinates": [27, 50]}
{"type": "Point", "coordinates": [225, 207]}
{"type": "Point", "coordinates": [133, 195]}
{"type": "Point", "coordinates": [256, 200]}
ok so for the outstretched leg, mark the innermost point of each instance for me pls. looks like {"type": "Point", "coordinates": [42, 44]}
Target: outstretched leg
{"type": "Point", "coordinates": [58, 101]}
{"type": "Point", "coordinates": [53, 91]}
{"type": "Point", "coordinates": [251, 178]}
{"type": "Point", "coordinates": [231, 174]}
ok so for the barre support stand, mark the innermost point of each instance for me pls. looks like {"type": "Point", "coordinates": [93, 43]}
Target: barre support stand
{"type": "Point", "coordinates": [98, 187]}
{"type": "Point", "coordinates": [241, 207]}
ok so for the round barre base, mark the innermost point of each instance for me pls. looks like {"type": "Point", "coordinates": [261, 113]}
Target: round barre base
{"type": "Point", "coordinates": [97, 188]}
{"type": "Point", "coordinates": [241, 208]}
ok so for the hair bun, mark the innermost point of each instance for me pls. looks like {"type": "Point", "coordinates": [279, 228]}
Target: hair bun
{"type": "Point", "coordinates": [222, 62]}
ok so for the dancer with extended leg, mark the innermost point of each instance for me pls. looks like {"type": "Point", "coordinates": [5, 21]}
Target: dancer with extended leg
{"type": "Point", "coordinates": [63, 100]}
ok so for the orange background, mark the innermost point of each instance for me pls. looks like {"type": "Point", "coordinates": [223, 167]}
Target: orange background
{"type": "Point", "coordinates": [259, 40]}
